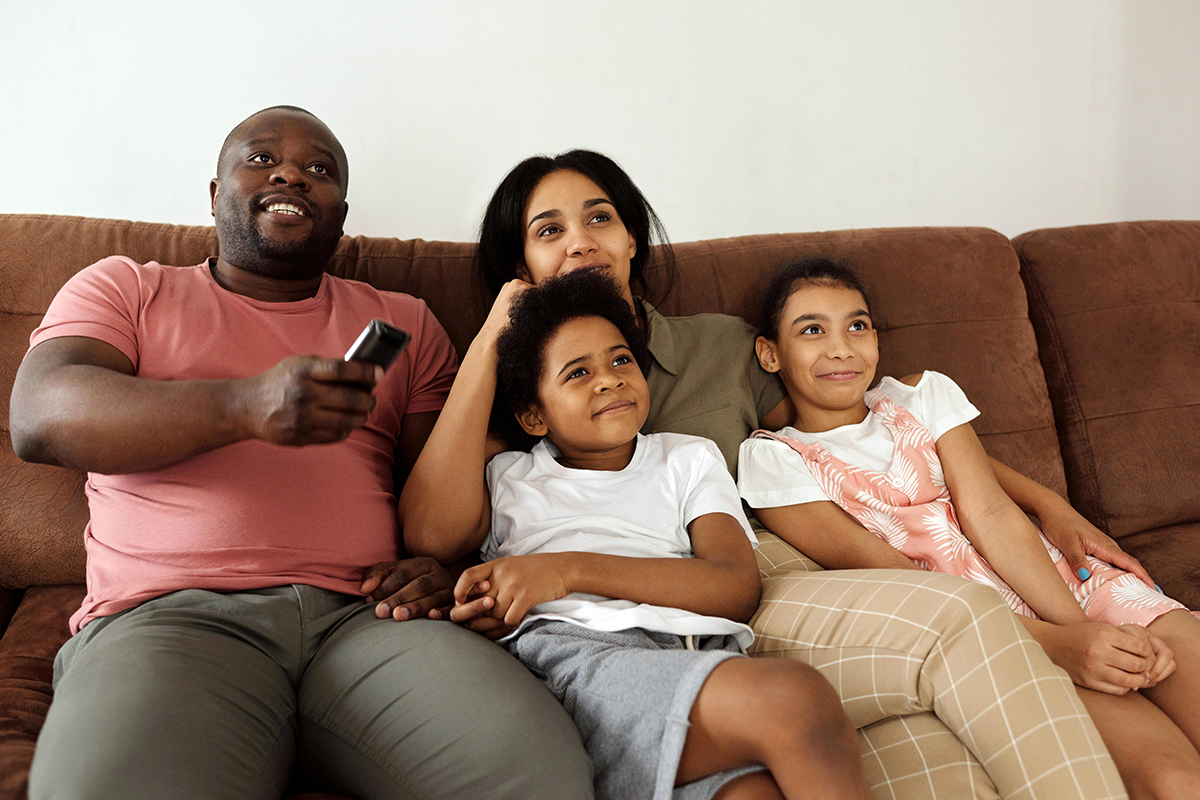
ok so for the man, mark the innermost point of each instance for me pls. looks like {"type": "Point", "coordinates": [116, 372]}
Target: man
{"type": "Point", "coordinates": [237, 487]}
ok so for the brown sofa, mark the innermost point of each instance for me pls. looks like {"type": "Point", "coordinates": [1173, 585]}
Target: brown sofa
{"type": "Point", "coordinates": [1079, 345]}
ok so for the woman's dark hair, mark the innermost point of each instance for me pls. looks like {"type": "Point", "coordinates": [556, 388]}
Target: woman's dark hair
{"type": "Point", "coordinates": [534, 318]}
{"type": "Point", "coordinates": [501, 248]}
{"type": "Point", "coordinates": [808, 272]}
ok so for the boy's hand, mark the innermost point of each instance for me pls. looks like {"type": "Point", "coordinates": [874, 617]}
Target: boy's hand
{"type": "Point", "coordinates": [476, 614]}
{"type": "Point", "coordinates": [1106, 658]}
{"type": "Point", "coordinates": [515, 584]}
{"type": "Point", "coordinates": [408, 589]}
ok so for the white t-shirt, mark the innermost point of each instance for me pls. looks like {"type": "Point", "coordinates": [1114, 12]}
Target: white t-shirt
{"type": "Point", "coordinates": [642, 511]}
{"type": "Point", "coordinates": [771, 474]}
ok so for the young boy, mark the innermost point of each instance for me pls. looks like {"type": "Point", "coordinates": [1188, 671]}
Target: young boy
{"type": "Point", "coordinates": [626, 566]}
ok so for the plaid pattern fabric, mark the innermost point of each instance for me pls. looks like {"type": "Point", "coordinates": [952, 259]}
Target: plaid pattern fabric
{"type": "Point", "coordinates": [952, 697]}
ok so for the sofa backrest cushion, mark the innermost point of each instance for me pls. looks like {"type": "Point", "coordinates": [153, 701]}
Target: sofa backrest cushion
{"type": "Point", "coordinates": [1117, 311]}
{"type": "Point", "coordinates": [948, 299]}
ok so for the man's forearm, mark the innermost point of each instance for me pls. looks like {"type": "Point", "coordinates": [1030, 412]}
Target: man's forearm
{"type": "Point", "coordinates": [77, 403]}
{"type": "Point", "coordinates": [92, 418]}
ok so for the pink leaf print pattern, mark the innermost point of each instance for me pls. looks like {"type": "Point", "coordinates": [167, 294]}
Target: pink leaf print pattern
{"type": "Point", "coordinates": [868, 500]}
{"type": "Point", "coordinates": [934, 465]}
{"type": "Point", "coordinates": [885, 526]}
{"type": "Point", "coordinates": [904, 477]}
{"type": "Point", "coordinates": [946, 535]}
{"type": "Point", "coordinates": [910, 508]}
{"type": "Point", "coordinates": [1129, 592]}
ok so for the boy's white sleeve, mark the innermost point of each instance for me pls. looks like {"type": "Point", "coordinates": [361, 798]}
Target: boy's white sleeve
{"type": "Point", "coordinates": [712, 490]}
{"type": "Point", "coordinates": [771, 474]}
{"type": "Point", "coordinates": [497, 492]}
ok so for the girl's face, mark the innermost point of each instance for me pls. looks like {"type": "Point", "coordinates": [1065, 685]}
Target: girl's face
{"type": "Point", "coordinates": [592, 398]}
{"type": "Point", "coordinates": [826, 352]}
{"type": "Point", "coordinates": [570, 224]}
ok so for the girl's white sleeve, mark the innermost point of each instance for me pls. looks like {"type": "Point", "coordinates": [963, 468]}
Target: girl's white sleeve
{"type": "Point", "coordinates": [936, 401]}
{"type": "Point", "coordinates": [771, 474]}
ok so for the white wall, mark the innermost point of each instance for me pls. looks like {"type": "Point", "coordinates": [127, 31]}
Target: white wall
{"type": "Point", "coordinates": [733, 117]}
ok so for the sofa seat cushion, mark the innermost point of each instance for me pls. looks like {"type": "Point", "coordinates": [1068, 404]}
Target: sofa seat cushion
{"type": "Point", "coordinates": [38, 629]}
{"type": "Point", "coordinates": [1169, 555]}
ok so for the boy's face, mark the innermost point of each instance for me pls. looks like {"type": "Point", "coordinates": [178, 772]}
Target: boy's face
{"type": "Point", "coordinates": [592, 396]}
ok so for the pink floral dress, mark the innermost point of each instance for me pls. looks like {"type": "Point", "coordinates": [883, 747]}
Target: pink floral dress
{"type": "Point", "coordinates": [909, 508]}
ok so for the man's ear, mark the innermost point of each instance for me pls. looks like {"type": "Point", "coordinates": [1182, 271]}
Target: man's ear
{"type": "Point", "coordinates": [768, 359]}
{"type": "Point", "coordinates": [531, 421]}
{"type": "Point", "coordinates": [632, 245]}
{"type": "Point", "coordinates": [213, 187]}
{"type": "Point", "coordinates": [523, 272]}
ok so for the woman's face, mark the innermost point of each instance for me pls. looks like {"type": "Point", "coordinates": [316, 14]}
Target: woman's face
{"type": "Point", "coordinates": [570, 224]}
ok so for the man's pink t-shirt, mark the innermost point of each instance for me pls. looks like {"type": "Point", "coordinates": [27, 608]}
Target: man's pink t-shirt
{"type": "Point", "coordinates": [251, 514]}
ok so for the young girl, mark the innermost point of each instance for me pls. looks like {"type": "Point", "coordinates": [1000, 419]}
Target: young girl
{"type": "Point", "coordinates": [901, 462]}
{"type": "Point", "coordinates": [625, 564]}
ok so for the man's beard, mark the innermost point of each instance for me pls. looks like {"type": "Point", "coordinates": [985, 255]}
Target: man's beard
{"type": "Point", "coordinates": [243, 244]}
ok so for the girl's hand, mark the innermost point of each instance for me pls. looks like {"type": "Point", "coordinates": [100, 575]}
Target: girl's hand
{"type": "Point", "coordinates": [1102, 657]}
{"type": "Point", "coordinates": [1164, 659]}
{"type": "Point", "coordinates": [515, 584]}
{"type": "Point", "coordinates": [1070, 532]}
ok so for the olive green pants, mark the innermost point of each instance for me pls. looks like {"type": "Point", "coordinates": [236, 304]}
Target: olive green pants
{"type": "Point", "coordinates": [203, 695]}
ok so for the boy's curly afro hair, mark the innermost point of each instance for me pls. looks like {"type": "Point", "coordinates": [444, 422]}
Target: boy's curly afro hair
{"type": "Point", "coordinates": [533, 319]}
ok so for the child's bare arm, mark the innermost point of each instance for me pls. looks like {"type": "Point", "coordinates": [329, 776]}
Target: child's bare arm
{"type": "Point", "coordinates": [1065, 527]}
{"type": "Point", "coordinates": [1103, 657]}
{"type": "Point", "coordinates": [722, 579]}
{"type": "Point", "coordinates": [1000, 531]}
{"type": "Point", "coordinates": [824, 532]}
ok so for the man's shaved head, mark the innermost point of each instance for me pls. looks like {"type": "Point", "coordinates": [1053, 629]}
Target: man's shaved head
{"type": "Point", "coordinates": [235, 134]}
{"type": "Point", "coordinates": [279, 198]}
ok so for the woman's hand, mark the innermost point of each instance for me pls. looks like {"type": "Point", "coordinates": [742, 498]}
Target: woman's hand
{"type": "Point", "coordinates": [515, 584]}
{"type": "Point", "coordinates": [1106, 658]}
{"type": "Point", "coordinates": [497, 318]}
{"type": "Point", "coordinates": [1077, 538]}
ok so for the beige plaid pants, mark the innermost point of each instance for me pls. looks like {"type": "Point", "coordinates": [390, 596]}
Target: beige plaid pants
{"type": "Point", "coordinates": [952, 697]}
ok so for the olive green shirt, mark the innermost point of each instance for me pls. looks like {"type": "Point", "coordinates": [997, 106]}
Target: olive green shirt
{"type": "Point", "coordinates": [705, 379]}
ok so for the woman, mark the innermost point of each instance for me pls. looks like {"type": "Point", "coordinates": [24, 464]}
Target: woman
{"type": "Point", "coordinates": [893, 644]}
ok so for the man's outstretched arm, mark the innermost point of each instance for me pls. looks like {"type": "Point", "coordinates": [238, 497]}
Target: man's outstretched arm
{"type": "Point", "coordinates": [77, 403]}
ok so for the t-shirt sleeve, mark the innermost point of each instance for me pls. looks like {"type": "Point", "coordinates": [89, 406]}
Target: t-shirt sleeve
{"type": "Point", "coordinates": [712, 490]}
{"type": "Point", "coordinates": [434, 364]}
{"type": "Point", "coordinates": [771, 474]}
{"type": "Point", "coordinates": [99, 302]}
{"type": "Point", "coordinates": [498, 493]}
{"type": "Point", "coordinates": [937, 402]}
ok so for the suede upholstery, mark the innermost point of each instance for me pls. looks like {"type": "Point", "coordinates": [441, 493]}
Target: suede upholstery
{"type": "Point", "coordinates": [1096, 372]}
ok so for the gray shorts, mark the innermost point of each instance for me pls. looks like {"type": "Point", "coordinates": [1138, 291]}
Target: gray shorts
{"type": "Point", "coordinates": [630, 693]}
